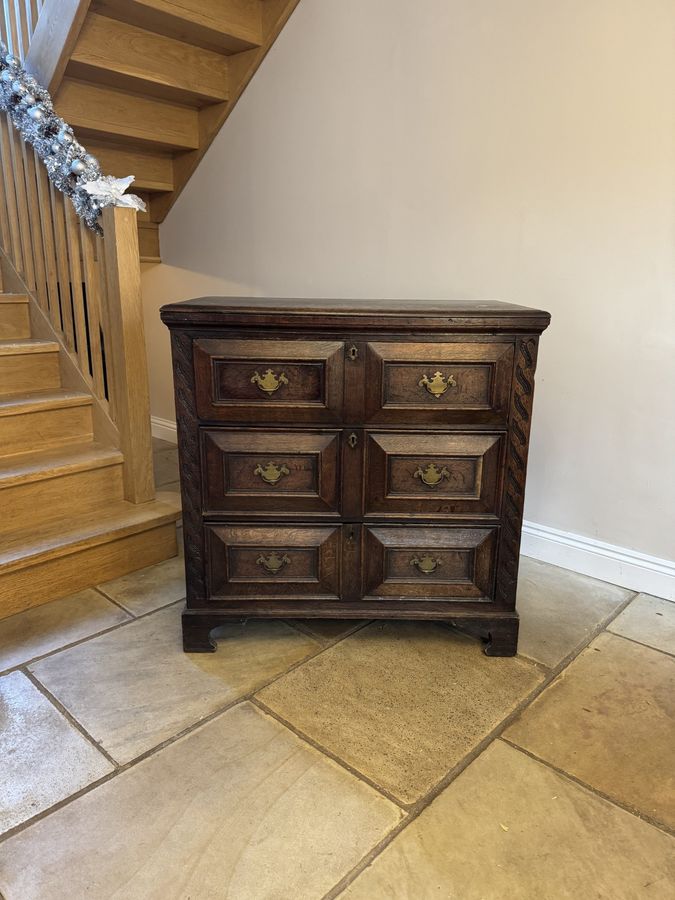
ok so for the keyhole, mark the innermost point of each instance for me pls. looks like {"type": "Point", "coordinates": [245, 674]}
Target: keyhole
{"type": "Point", "coordinates": [352, 440]}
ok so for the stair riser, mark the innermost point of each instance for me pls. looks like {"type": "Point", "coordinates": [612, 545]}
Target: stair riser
{"type": "Point", "coordinates": [154, 171]}
{"type": "Point", "coordinates": [27, 372]}
{"type": "Point", "coordinates": [36, 503]}
{"type": "Point", "coordinates": [45, 428]}
{"type": "Point", "coordinates": [148, 242]}
{"type": "Point", "coordinates": [237, 27]}
{"type": "Point", "coordinates": [45, 581]}
{"type": "Point", "coordinates": [14, 321]}
{"type": "Point", "coordinates": [101, 112]}
{"type": "Point", "coordinates": [124, 56]}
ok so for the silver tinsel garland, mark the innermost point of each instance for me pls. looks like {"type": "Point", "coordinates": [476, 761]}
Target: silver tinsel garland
{"type": "Point", "coordinates": [71, 169]}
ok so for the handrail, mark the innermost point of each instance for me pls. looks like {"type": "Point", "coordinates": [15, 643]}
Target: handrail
{"type": "Point", "coordinates": [87, 286]}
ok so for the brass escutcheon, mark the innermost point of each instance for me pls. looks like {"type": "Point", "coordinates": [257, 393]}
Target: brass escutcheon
{"type": "Point", "coordinates": [431, 475]}
{"type": "Point", "coordinates": [437, 385]}
{"type": "Point", "coordinates": [269, 382]}
{"type": "Point", "coordinates": [273, 563]}
{"type": "Point", "coordinates": [271, 473]}
{"type": "Point", "coordinates": [425, 563]}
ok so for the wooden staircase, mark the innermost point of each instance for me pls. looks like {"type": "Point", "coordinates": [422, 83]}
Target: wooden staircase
{"type": "Point", "coordinates": [65, 523]}
{"type": "Point", "coordinates": [147, 84]}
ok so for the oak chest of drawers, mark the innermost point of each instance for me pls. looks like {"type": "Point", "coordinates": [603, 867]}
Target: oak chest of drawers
{"type": "Point", "coordinates": [353, 460]}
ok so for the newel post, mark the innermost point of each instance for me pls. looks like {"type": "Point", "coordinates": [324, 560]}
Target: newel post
{"type": "Point", "coordinates": [129, 381]}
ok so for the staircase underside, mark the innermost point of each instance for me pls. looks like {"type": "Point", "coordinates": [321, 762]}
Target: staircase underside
{"type": "Point", "coordinates": [147, 84]}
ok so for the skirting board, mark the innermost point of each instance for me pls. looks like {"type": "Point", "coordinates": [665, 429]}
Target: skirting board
{"type": "Point", "coordinates": [617, 565]}
{"type": "Point", "coordinates": [164, 429]}
{"type": "Point", "coordinates": [606, 562]}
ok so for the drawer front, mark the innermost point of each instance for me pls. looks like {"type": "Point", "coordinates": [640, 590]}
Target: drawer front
{"type": "Point", "coordinates": [269, 380]}
{"type": "Point", "coordinates": [251, 562]}
{"type": "Point", "coordinates": [462, 383]}
{"type": "Point", "coordinates": [270, 471]}
{"type": "Point", "coordinates": [418, 563]}
{"type": "Point", "coordinates": [437, 474]}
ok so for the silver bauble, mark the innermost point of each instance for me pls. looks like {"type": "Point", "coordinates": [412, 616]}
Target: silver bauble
{"type": "Point", "coordinates": [18, 88]}
{"type": "Point", "coordinates": [91, 160]}
{"type": "Point", "coordinates": [77, 167]}
{"type": "Point", "coordinates": [36, 113]}
{"type": "Point", "coordinates": [28, 100]}
{"type": "Point", "coordinates": [11, 60]}
{"type": "Point", "coordinates": [64, 137]}
{"type": "Point", "coordinates": [6, 76]}
{"type": "Point", "coordinates": [56, 147]}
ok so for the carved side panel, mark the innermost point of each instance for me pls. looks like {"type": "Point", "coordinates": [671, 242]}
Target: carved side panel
{"type": "Point", "coordinates": [516, 469]}
{"type": "Point", "coordinates": [190, 468]}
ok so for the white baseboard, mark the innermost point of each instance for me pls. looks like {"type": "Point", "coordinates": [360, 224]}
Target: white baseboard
{"type": "Point", "coordinates": [618, 565]}
{"type": "Point", "coordinates": [164, 429]}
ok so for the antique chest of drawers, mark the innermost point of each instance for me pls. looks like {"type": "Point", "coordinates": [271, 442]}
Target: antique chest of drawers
{"type": "Point", "coordinates": [353, 460]}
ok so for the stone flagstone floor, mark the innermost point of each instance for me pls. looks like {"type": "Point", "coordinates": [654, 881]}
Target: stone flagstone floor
{"type": "Point", "coordinates": [322, 759]}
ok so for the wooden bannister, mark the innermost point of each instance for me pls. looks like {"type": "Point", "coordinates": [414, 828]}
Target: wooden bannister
{"type": "Point", "coordinates": [86, 286]}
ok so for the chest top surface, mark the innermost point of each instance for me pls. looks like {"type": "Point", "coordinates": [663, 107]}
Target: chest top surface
{"type": "Point", "coordinates": [330, 314]}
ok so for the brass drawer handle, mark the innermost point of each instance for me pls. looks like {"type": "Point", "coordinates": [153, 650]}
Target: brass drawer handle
{"type": "Point", "coordinates": [271, 473]}
{"type": "Point", "coordinates": [426, 563]}
{"type": "Point", "coordinates": [437, 385]}
{"type": "Point", "coordinates": [269, 382]}
{"type": "Point", "coordinates": [431, 475]}
{"type": "Point", "coordinates": [273, 563]}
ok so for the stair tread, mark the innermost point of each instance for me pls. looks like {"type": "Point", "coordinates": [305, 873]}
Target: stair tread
{"type": "Point", "coordinates": [40, 464]}
{"type": "Point", "coordinates": [11, 404]}
{"type": "Point", "coordinates": [13, 298]}
{"type": "Point", "coordinates": [29, 345]}
{"type": "Point", "coordinates": [113, 521]}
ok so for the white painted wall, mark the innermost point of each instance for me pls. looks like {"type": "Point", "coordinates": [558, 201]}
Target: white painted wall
{"type": "Point", "coordinates": [519, 149]}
